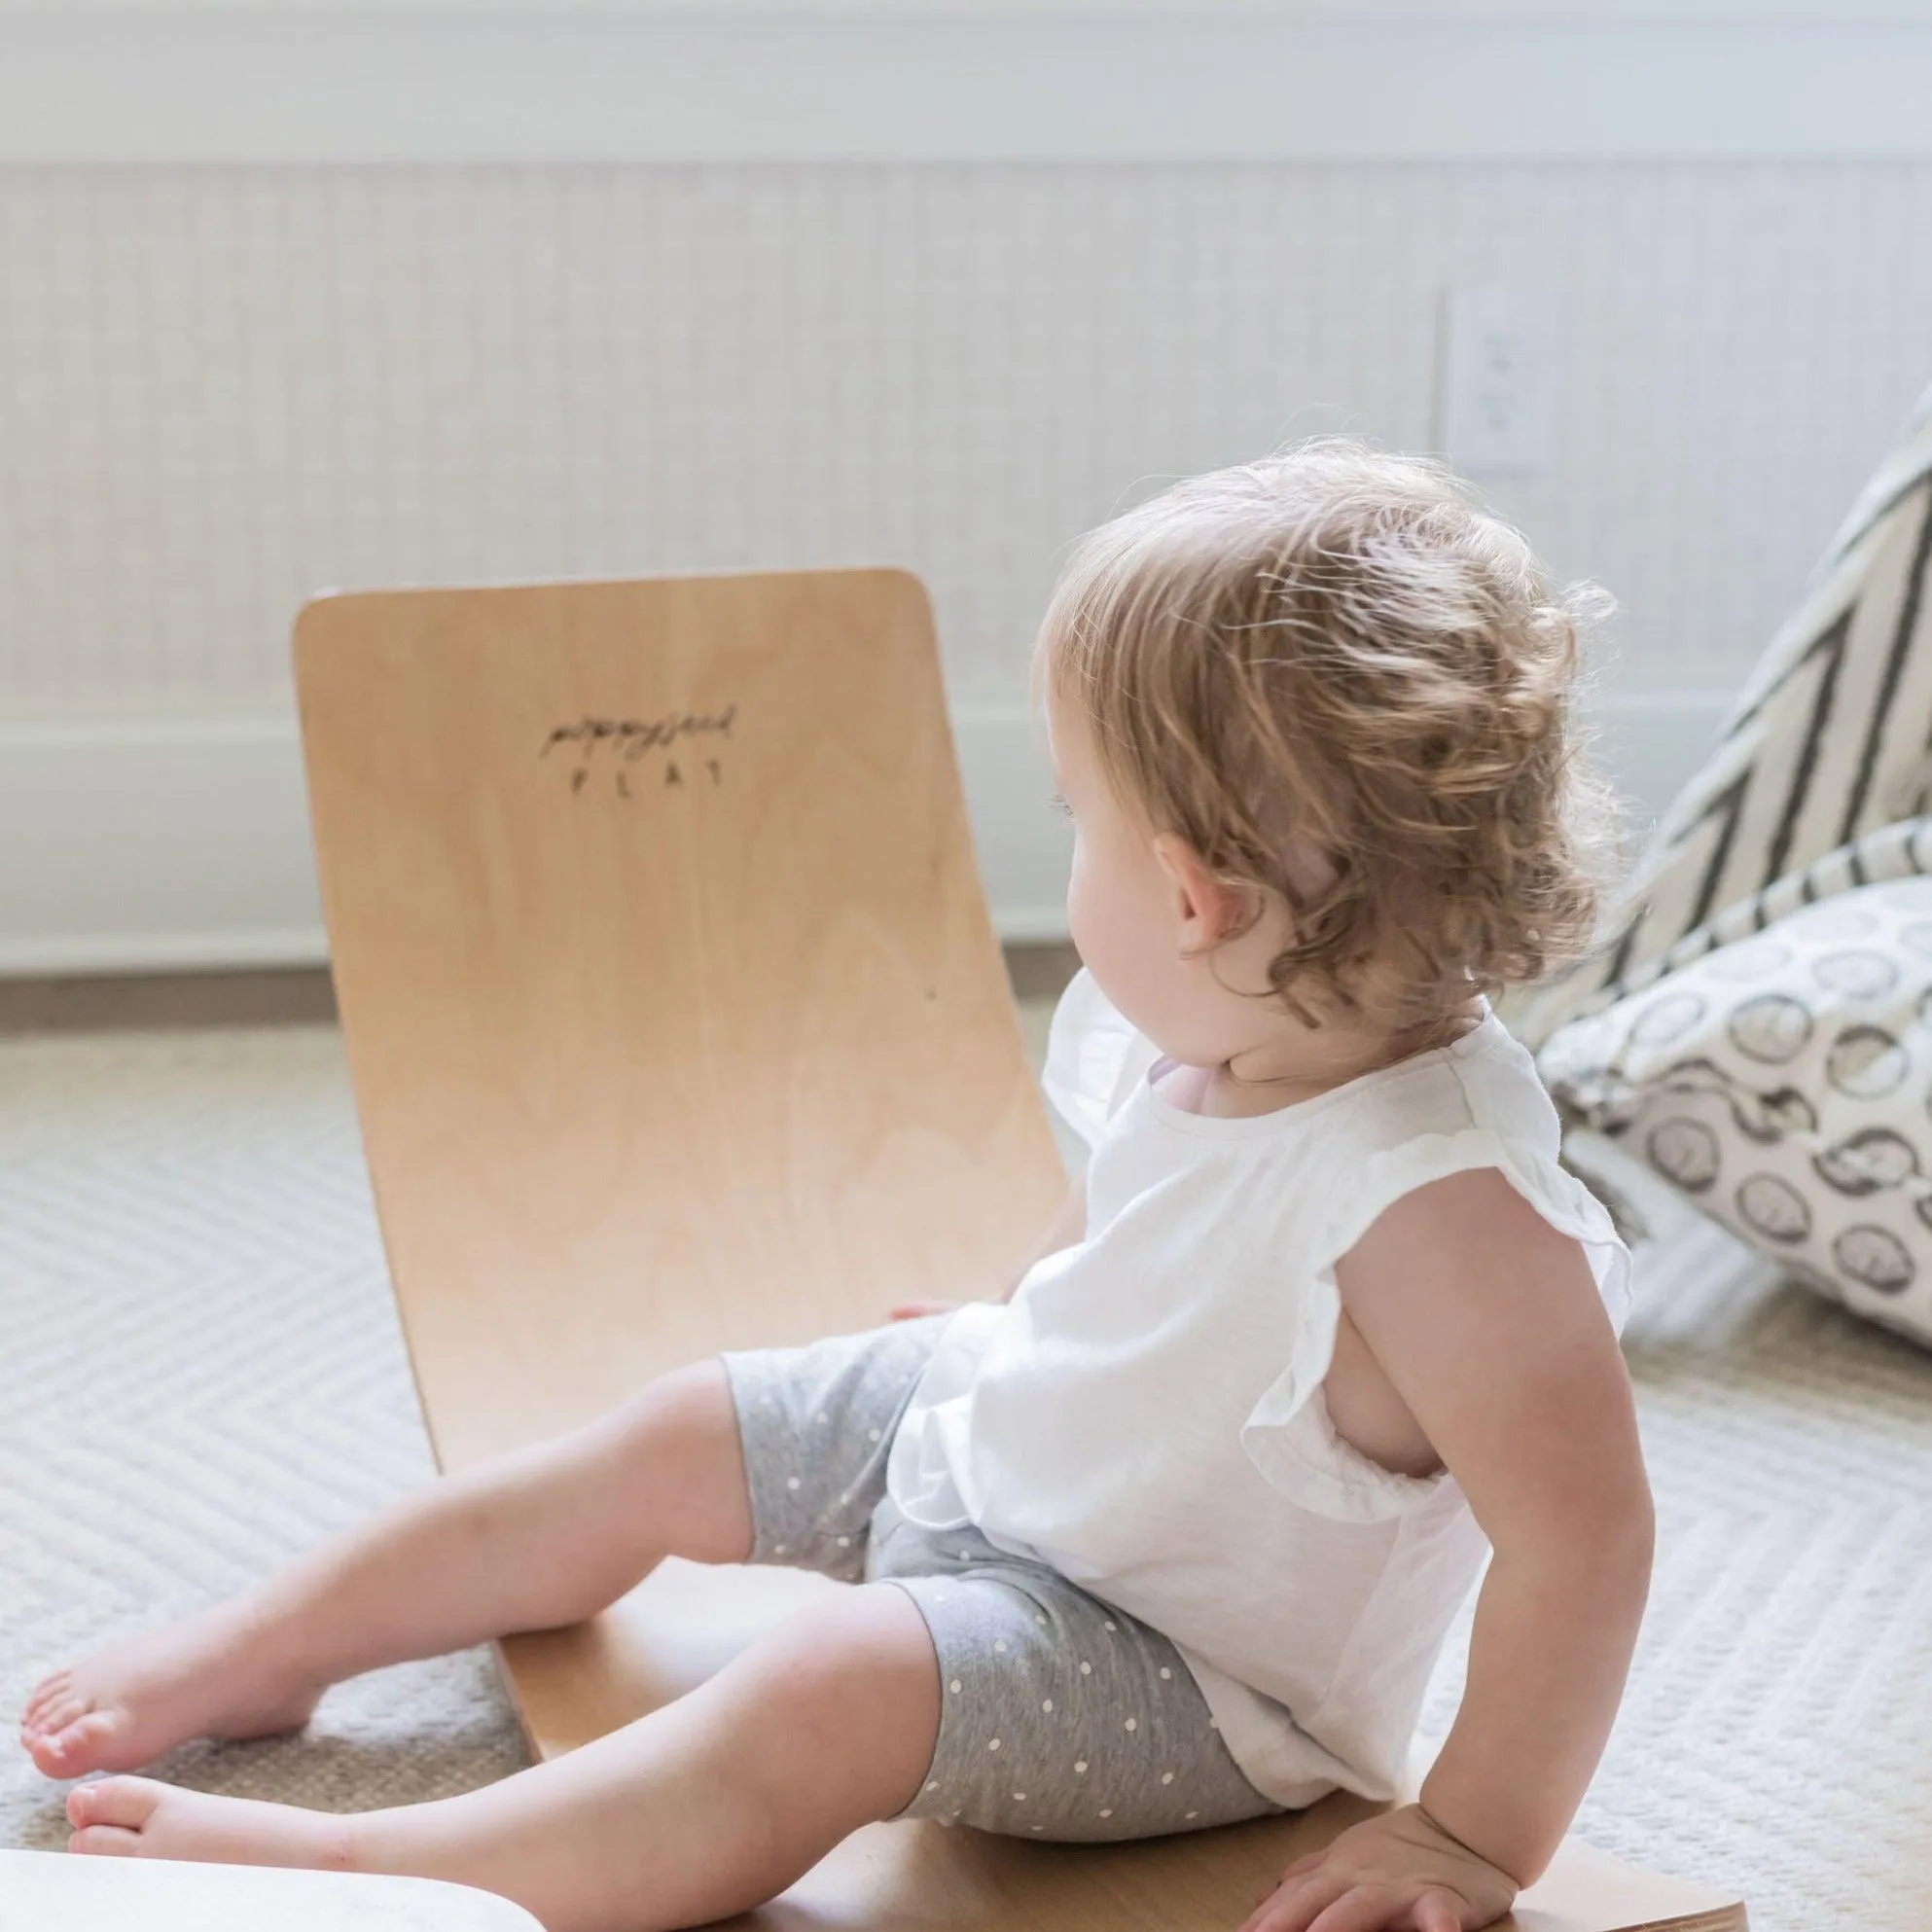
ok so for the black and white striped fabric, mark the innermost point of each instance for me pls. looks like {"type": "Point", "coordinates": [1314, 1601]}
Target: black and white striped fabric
{"type": "Point", "coordinates": [1829, 746]}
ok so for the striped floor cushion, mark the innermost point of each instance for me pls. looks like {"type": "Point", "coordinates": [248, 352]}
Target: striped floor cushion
{"type": "Point", "coordinates": [1830, 743]}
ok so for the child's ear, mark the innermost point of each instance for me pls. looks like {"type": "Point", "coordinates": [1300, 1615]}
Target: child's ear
{"type": "Point", "coordinates": [1206, 910]}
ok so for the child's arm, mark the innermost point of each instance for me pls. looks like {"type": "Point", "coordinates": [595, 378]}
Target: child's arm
{"type": "Point", "coordinates": [1486, 1321]}
{"type": "Point", "coordinates": [1068, 1227]}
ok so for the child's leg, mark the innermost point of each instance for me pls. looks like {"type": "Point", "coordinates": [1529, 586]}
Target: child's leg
{"type": "Point", "coordinates": [703, 1809]}
{"type": "Point", "coordinates": [543, 1537]}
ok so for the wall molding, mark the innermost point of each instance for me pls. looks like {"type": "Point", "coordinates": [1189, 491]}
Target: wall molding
{"type": "Point", "coordinates": [293, 84]}
{"type": "Point", "coordinates": [179, 841]}
{"type": "Point", "coordinates": [157, 843]}
{"type": "Point", "coordinates": [144, 844]}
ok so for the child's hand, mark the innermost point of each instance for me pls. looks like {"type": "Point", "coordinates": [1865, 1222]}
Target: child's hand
{"type": "Point", "coordinates": [915, 1310]}
{"type": "Point", "coordinates": [1398, 1872]}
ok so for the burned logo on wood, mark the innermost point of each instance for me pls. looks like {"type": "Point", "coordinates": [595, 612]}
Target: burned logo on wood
{"type": "Point", "coordinates": [639, 755]}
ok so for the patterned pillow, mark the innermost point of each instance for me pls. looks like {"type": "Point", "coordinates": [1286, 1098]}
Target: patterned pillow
{"type": "Point", "coordinates": [1783, 1082]}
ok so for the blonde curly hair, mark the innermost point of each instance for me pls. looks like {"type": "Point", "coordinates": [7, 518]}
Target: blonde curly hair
{"type": "Point", "coordinates": [1342, 679]}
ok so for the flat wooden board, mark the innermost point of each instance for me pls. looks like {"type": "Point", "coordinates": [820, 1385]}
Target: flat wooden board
{"type": "Point", "coordinates": [677, 1023]}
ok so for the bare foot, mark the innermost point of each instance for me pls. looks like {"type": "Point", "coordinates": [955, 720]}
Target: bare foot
{"type": "Point", "coordinates": [134, 1818]}
{"type": "Point", "coordinates": [215, 1675]}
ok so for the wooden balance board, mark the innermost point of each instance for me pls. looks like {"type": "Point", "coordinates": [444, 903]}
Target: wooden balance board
{"type": "Point", "coordinates": [677, 1023]}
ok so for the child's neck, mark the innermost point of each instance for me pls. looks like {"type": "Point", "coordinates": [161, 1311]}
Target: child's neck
{"type": "Point", "coordinates": [1296, 1063]}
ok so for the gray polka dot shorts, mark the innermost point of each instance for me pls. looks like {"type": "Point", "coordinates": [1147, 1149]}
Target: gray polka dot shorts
{"type": "Point", "coordinates": [1061, 1717]}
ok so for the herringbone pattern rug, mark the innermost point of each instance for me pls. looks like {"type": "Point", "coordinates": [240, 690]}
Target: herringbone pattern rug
{"type": "Point", "coordinates": [200, 1372]}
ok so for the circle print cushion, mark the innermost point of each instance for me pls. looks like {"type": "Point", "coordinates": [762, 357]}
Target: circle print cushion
{"type": "Point", "coordinates": [1770, 1028]}
{"type": "Point", "coordinates": [1670, 1018]}
{"type": "Point", "coordinates": [1749, 959]}
{"type": "Point", "coordinates": [1867, 1062]}
{"type": "Point", "coordinates": [1784, 1084]}
{"type": "Point", "coordinates": [1774, 1208]}
{"type": "Point", "coordinates": [1686, 1150]}
{"type": "Point", "coordinates": [1867, 1161]}
{"type": "Point", "coordinates": [1859, 974]}
{"type": "Point", "coordinates": [1876, 1257]}
{"type": "Point", "coordinates": [1770, 1117]}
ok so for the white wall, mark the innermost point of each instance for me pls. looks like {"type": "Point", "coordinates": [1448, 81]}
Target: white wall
{"type": "Point", "coordinates": [545, 81]}
{"type": "Point", "coordinates": [247, 354]}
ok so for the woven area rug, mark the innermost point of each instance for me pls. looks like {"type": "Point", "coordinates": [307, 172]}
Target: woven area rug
{"type": "Point", "coordinates": [201, 1373]}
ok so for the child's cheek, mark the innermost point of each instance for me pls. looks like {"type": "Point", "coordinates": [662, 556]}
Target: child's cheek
{"type": "Point", "coordinates": [1093, 913]}
{"type": "Point", "coordinates": [1098, 917]}
{"type": "Point", "coordinates": [1079, 900]}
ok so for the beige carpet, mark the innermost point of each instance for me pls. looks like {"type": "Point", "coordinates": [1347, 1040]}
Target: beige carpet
{"type": "Point", "coordinates": [200, 1372]}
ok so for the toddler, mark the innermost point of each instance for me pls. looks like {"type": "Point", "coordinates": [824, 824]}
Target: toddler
{"type": "Point", "coordinates": [1170, 1536]}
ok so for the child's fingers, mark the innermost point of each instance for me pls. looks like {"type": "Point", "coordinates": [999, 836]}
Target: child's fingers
{"type": "Point", "coordinates": [1298, 1902]}
{"type": "Point", "coordinates": [1305, 1864]}
{"type": "Point", "coordinates": [1361, 1908]}
{"type": "Point", "coordinates": [1439, 1911]}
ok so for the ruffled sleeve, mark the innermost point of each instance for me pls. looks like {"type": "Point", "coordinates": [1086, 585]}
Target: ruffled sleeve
{"type": "Point", "coordinates": [1288, 1435]}
{"type": "Point", "coordinates": [1094, 1058]}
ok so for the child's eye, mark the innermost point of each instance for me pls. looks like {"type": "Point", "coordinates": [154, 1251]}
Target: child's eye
{"type": "Point", "coordinates": [1060, 805]}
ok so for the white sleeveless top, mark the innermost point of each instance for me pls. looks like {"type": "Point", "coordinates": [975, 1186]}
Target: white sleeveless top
{"type": "Point", "coordinates": [1146, 1415]}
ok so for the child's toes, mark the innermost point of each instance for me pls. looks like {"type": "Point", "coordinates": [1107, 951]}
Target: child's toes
{"type": "Point", "coordinates": [61, 1713]}
{"type": "Point", "coordinates": [105, 1841]}
{"type": "Point", "coordinates": [82, 1746]}
{"type": "Point", "coordinates": [127, 1803]}
{"type": "Point", "coordinates": [55, 1694]}
{"type": "Point", "coordinates": [52, 1685]}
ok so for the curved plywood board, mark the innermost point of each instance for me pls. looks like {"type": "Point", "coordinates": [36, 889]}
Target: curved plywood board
{"type": "Point", "coordinates": [676, 1024]}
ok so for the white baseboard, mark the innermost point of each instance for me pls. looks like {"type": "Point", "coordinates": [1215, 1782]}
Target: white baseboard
{"type": "Point", "coordinates": [1024, 845]}
{"type": "Point", "coordinates": [150, 843]}
{"type": "Point", "coordinates": [162, 842]}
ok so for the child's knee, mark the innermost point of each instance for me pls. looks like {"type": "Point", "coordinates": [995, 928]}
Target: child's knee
{"type": "Point", "coordinates": [852, 1690]}
{"type": "Point", "coordinates": [680, 1437]}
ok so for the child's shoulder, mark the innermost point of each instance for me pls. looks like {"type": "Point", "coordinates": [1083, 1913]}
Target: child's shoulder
{"type": "Point", "coordinates": [1484, 1083]}
{"type": "Point", "coordinates": [1471, 1143]}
